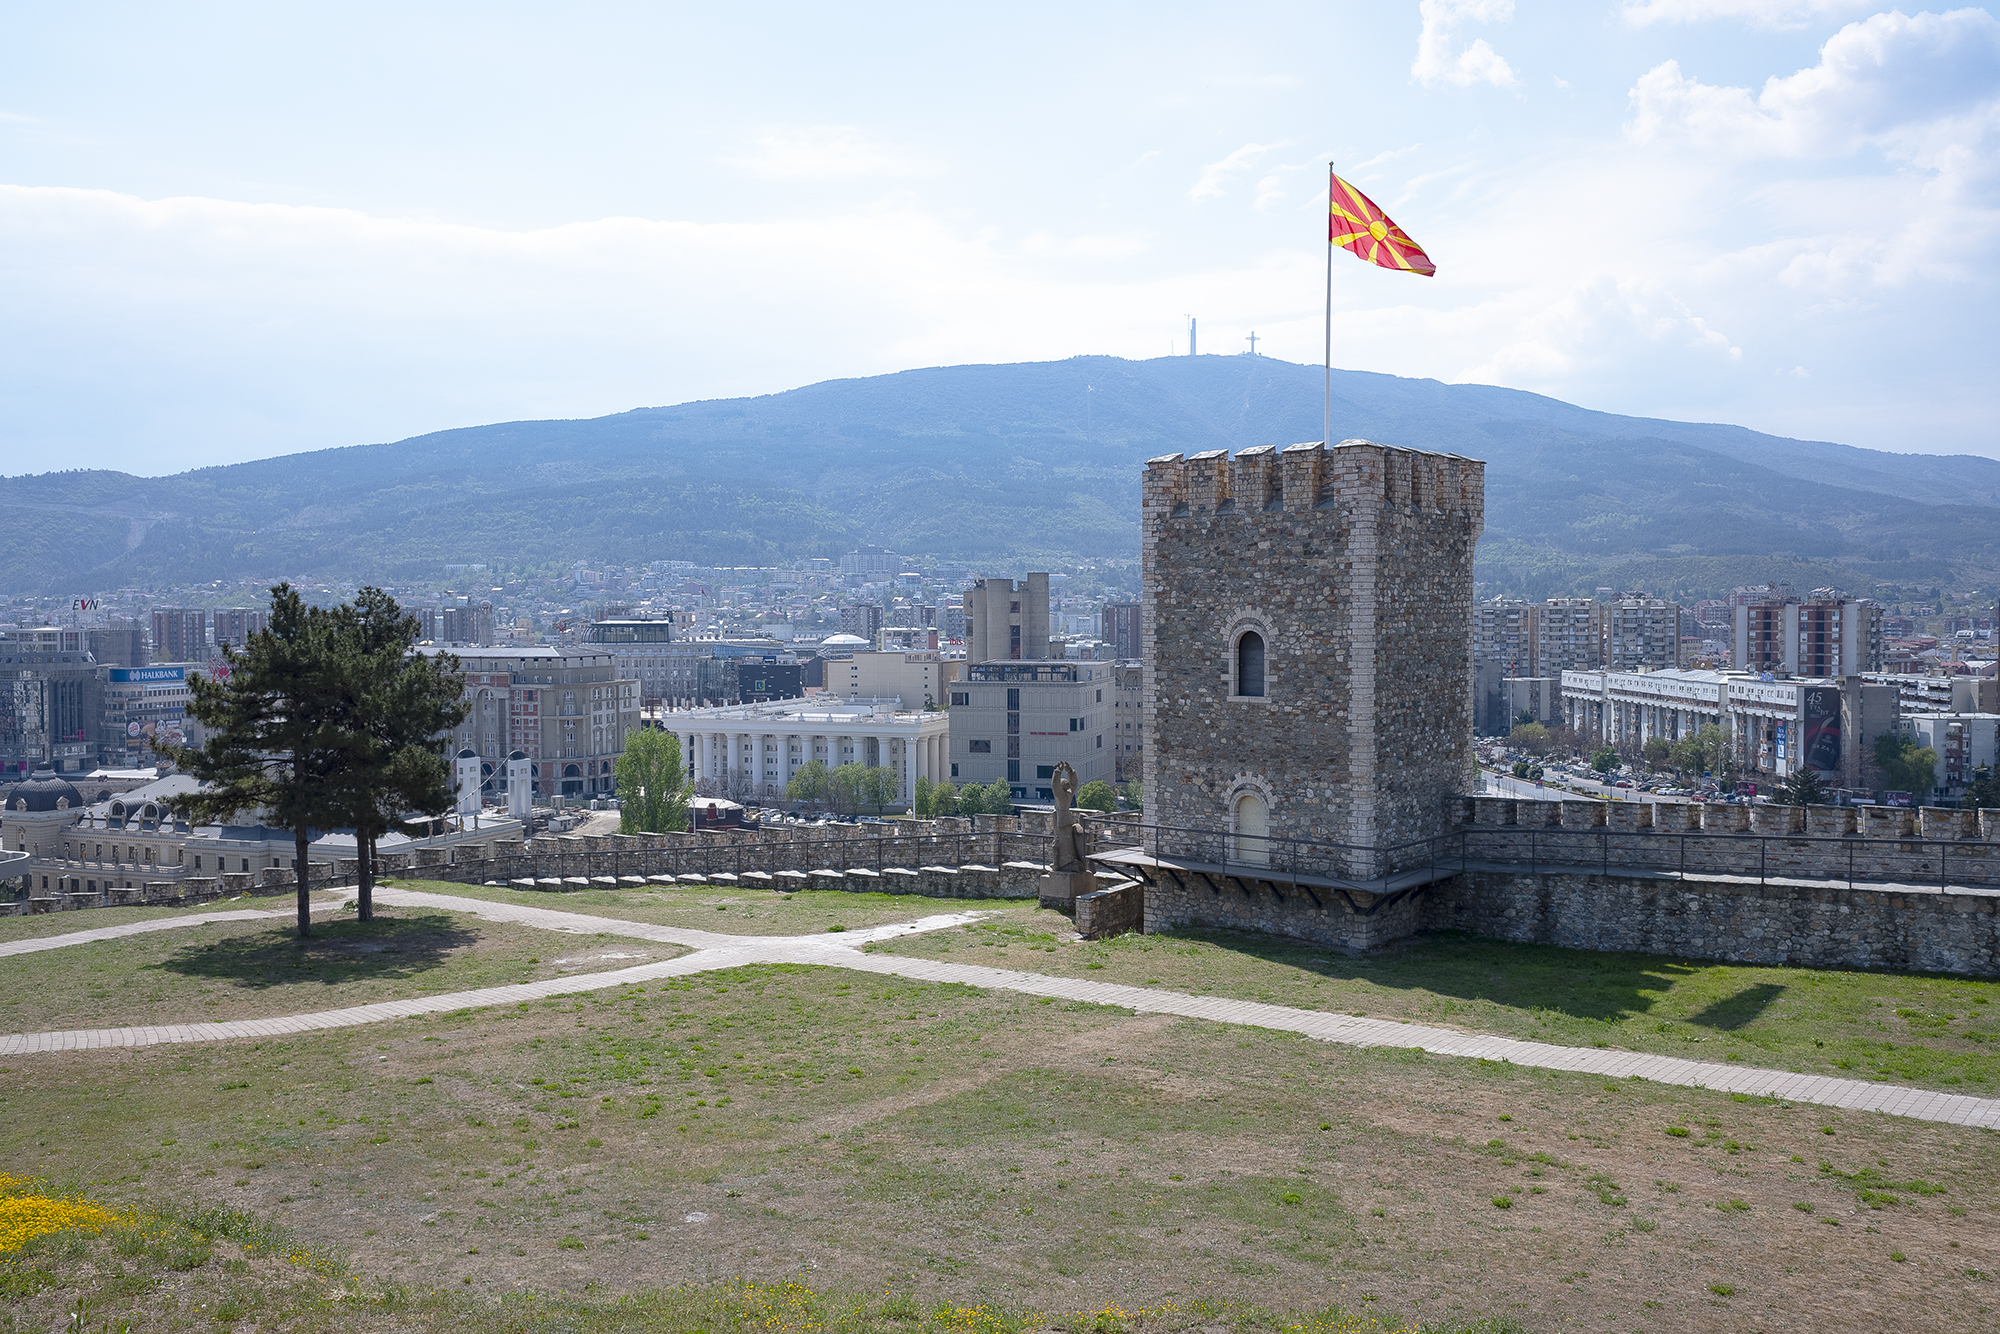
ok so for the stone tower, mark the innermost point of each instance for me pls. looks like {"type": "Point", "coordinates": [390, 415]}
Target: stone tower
{"type": "Point", "coordinates": [1307, 615]}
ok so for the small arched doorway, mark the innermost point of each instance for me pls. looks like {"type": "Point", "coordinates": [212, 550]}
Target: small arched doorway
{"type": "Point", "coordinates": [1253, 828]}
{"type": "Point", "coordinates": [1250, 665]}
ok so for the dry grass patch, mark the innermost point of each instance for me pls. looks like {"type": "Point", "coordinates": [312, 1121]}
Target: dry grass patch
{"type": "Point", "coordinates": [1021, 1155]}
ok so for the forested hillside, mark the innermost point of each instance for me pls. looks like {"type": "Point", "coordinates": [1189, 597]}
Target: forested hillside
{"type": "Point", "coordinates": [1015, 463]}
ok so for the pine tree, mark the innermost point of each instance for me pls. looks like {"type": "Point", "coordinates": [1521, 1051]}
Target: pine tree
{"type": "Point", "coordinates": [1803, 788]}
{"type": "Point", "coordinates": [399, 708]}
{"type": "Point", "coordinates": [275, 741]}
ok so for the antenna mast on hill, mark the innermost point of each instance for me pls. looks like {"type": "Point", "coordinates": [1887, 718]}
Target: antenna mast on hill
{"type": "Point", "coordinates": [1191, 351]}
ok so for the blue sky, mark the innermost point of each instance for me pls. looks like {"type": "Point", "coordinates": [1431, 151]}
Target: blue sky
{"type": "Point", "coordinates": [231, 231]}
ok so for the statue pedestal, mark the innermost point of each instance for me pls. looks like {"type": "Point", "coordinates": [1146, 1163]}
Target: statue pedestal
{"type": "Point", "coordinates": [1059, 889]}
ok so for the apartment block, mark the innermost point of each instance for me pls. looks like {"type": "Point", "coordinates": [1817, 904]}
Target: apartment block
{"type": "Point", "coordinates": [1640, 632]}
{"type": "Point", "coordinates": [1568, 635]}
{"type": "Point", "coordinates": [1827, 634]}
{"type": "Point", "coordinates": [180, 634]}
{"type": "Point", "coordinates": [1503, 634]}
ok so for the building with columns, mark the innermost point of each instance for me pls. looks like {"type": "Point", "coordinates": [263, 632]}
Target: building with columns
{"type": "Point", "coordinates": [753, 750]}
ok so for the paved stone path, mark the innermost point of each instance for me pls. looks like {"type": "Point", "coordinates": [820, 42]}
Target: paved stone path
{"type": "Point", "coordinates": [713, 951]}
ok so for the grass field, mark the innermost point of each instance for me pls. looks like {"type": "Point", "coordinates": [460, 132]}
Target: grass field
{"type": "Point", "coordinates": [735, 912]}
{"type": "Point", "coordinates": [1933, 1032]}
{"type": "Point", "coordinates": [257, 969]}
{"type": "Point", "coordinates": [679, 1155]}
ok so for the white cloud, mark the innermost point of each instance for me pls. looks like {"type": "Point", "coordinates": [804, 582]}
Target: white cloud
{"type": "Point", "coordinates": [826, 153]}
{"type": "Point", "coordinates": [1879, 80]}
{"type": "Point", "coordinates": [1436, 60]}
{"type": "Point", "coordinates": [1607, 326]}
{"type": "Point", "coordinates": [1216, 177]}
{"type": "Point", "coordinates": [1771, 14]}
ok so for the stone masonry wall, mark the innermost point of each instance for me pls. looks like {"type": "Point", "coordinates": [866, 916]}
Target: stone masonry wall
{"type": "Point", "coordinates": [1824, 926]}
{"type": "Point", "coordinates": [1355, 565]}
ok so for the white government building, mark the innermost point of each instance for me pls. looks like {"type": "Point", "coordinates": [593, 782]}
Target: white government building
{"type": "Point", "coordinates": [755, 749]}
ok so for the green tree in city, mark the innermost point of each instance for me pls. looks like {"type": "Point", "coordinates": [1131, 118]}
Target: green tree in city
{"type": "Point", "coordinates": [944, 798]}
{"type": "Point", "coordinates": [846, 788]}
{"type": "Point", "coordinates": [1803, 788]}
{"type": "Point", "coordinates": [1097, 796]}
{"type": "Point", "coordinates": [1658, 753]}
{"type": "Point", "coordinates": [1531, 737]}
{"type": "Point", "coordinates": [397, 711]}
{"type": "Point", "coordinates": [1605, 760]}
{"type": "Point", "coordinates": [920, 802]}
{"type": "Point", "coordinates": [809, 783]}
{"type": "Point", "coordinates": [653, 787]}
{"type": "Point", "coordinates": [878, 786]}
{"type": "Point", "coordinates": [276, 743]}
{"type": "Point", "coordinates": [1906, 766]}
{"type": "Point", "coordinates": [1984, 790]}
{"type": "Point", "coordinates": [1134, 794]}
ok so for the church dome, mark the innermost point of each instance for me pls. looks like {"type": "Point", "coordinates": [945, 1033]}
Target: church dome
{"type": "Point", "coordinates": [44, 792]}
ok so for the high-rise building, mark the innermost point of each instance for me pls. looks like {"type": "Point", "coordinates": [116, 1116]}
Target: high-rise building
{"type": "Point", "coordinates": [180, 634]}
{"type": "Point", "coordinates": [234, 625]}
{"type": "Point", "coordinates": [1118, 627]}
{"type": "Point", "coordinates": [863, 619]}
{"type": "Point", "coordinates": [1828, 634]}
{"type": "Point", "coordinates": [1640, 632]}
{"type": "Point", "coordinates": [1567, 636]}
{"type": "Point", "coordinates": [1008, 621]}
{"type": "Point", "coordinates": [119, 642]}
{"type": "Point", "coordinates": [1503, 634]}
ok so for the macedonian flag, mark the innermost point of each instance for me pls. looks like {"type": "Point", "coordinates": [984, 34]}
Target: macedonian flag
{"type": "Point", "coordinates": [1359, 226]}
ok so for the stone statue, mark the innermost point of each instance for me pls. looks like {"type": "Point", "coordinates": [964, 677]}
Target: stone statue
{"type": "Point", "coordinates": [1068, 854]}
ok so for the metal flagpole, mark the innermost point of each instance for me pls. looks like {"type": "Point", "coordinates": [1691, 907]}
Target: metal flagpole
{"type": "Point", "coordinates": [1327, 426]}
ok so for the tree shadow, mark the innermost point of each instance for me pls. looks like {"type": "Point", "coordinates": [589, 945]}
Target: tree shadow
{"type": "Point", "coordinates": [337, 952]}
{"type": "Point", "coordinates": [1744, 1008]}
{"type": "Point", "coordinates": [1582, 984]}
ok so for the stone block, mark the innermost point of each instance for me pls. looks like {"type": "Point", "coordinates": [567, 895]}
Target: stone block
{"type": "Point", "coordinates": [1060, 889]}
{"type": "Point", "coordinates": [1829, 821]}
{"type": "Point", "coordinates": [1886, 821]}
{"type": "Point", "coordinates": [1675, 817]}
{"type": "Point", "coordinates": [1111, 910]}
{"type": "Point", "coordinates": [1582, 814]}
{"type": "Point", "coordinates": [1776, 820]}
{"type": "Point", "coordinates": [1718, 817]}
{"type": "Point", "coordinates": [1940, 822]}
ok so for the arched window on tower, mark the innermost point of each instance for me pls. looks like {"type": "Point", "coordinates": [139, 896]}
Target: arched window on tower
{"type": "Point", "coordinates": [1250, 665]}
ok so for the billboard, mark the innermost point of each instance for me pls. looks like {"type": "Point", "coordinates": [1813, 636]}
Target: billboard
{"type": "Point", "coordinates": [148, 675]}
{"type": "Point", "coordinates": [1820, 732]}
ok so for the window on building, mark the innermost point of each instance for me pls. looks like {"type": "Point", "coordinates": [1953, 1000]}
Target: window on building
{"type": "Point", "coordinates": [1250, 665]}
{"type": "Point", "coordinates": [1013, 771]}
{"type": "Point", "coordinates": [961, 699]}
{"type": "Point", "coordinates": [1013, 642]}
{"type": "Point", "coordinates": [982, 747]}
{"type": "Point", "coordinates": [954, 771]}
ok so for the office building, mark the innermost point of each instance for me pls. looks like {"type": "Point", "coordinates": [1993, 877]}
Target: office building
{"type": "Point", "coordinates": [570, 712]}
{"type": "Point", "coordinates": [1128, 721]}
{"type": "Point", "coordinates": [754, 750]}
{"type": "Point", "coordinates": [1013, 722]}
{"type": "Point", "coordinates": [871, 564]}
{"type": "Point", "coordinates": [913, 679]}
{"type": "Point", "coordinates": [1118, 627]}
{"type": "Point", "coordinates": [1007, 621]}
{"type": "Point", "coordinates": [119, 642]}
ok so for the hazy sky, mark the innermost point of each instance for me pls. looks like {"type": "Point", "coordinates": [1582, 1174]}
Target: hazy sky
{"type": "Point", "coordinates": [230, 231]}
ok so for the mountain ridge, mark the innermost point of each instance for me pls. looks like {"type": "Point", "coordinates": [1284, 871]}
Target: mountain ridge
{"type": "Point", "coordinates": [1005, 463]}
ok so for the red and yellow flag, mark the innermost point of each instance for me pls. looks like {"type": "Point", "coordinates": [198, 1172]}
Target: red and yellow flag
{"type": "Point", "coordinates": [1357, 225]}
